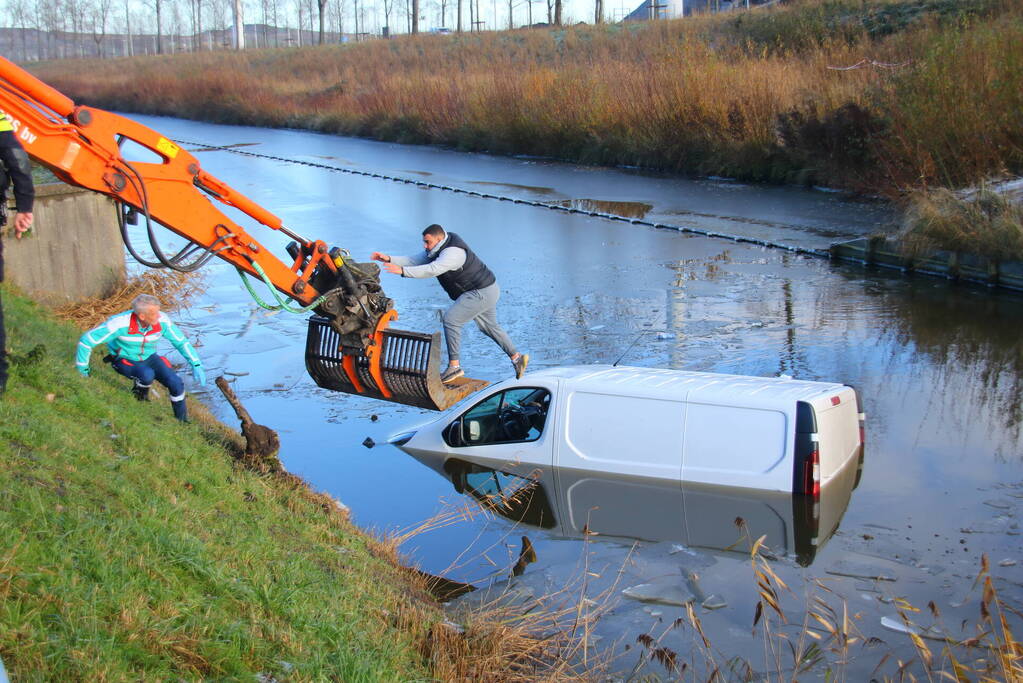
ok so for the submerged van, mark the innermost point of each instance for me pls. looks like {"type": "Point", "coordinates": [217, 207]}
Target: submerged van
{"type": "Point", "coordinates": [765, 433]}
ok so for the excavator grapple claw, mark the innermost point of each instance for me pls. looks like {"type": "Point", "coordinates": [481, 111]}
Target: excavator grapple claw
{"type": "Point", "coordinates": [402, 367]}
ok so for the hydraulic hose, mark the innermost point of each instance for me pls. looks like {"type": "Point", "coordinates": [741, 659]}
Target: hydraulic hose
{"type": "Point", "coordinates": [282, 302]}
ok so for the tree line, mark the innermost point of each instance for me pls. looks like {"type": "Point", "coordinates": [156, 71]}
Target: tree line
{"type": "Point", "coordinates": [58, 29]}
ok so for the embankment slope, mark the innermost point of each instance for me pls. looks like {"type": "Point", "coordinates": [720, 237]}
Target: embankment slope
{"type": "Point", "coordinates": [133, 547]}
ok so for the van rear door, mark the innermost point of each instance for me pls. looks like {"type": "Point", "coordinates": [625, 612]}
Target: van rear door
{"type": "Point", "coordinates": [838, 430]}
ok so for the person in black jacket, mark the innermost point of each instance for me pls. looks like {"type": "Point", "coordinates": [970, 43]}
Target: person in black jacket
{"type": "Point", "coordinates": [468, 282]}
{"type": "Point", "coordinates": [14, 169]}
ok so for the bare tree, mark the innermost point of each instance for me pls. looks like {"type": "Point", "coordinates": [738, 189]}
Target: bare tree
{"type": "Point", "coordinates": [440, 11]}
{"type": "Point", "coordinates": [388, 6]}
{"type": "Point", "coordinates": [177, 27]}
{"type": "Point", "coordinates": [239, 25]}
{"type": "Point", "coordinates": [459, 29]}
{"type": "Point", "coordinates": [127, 30]}
{"type": "Point", "coordinates": [99, 15]}
{"type": "Point", "coordinates": [338, 18]}
{"type": "Point", "coordinates": [19, 13]}
{"type": "Point", "coordinates": [196, 12]}
{"type": "Point", "coordinates": [321, 6]}
{"type": "Point", "coordinates": [557, 12]}
{"type": "Point", "coordinates": [270, 16]}
{"type": "Point", "coordinates": [157, 7]}
{"type": "Point", "coordinates": [598, 12]}
{"type": "Point", "coordinates": [219, 11]}
{"type": "Point", "coordinates": [51, 19]}
{"type": "Point", "coordinates": [415, 16]}
{"type": "Point", "coordinates": [75, 11]}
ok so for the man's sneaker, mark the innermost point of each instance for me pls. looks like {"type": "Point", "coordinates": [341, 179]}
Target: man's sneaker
{"type": "Point", "coordinates": [451, 374]}
{"type": "Point", "coordinates": [520, 365]}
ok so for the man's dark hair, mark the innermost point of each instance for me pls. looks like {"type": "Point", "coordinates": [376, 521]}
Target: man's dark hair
{"type": "Point", "coordinates": [434, 230]}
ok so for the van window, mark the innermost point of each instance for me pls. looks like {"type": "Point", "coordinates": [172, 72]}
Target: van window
{"type": "Point", "coordinates": [512, 416]}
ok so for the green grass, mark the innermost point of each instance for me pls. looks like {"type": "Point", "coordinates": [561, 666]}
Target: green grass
{"type": "Point", "coordinates": [135, 548]}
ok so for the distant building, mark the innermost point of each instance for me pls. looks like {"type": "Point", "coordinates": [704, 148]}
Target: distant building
{"type": "Point", "coordinates": [674, 9]}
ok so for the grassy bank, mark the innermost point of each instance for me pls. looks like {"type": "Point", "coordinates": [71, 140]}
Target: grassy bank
{"type": "Point", "coordinates": [984, 222]}
{"type": "Point", "coordinates": [752, 95]}
{"type": "Point", "coordinates": [135, 548]}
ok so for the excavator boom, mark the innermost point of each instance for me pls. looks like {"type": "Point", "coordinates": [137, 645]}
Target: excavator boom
{"type": "Point", "coordinates": [350, 347]}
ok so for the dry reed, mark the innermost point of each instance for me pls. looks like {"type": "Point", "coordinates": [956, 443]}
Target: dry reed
{"type": "Point", "coordinates": [825, 640]}
{"type": "Point", "coordinates": [752, 95]}
{"type": "Point", "coordinates": [499, 638]}
{"type": "Point", "coordinates": [175, 290]}
{"type": "Point", "coordinates": [987, 223]}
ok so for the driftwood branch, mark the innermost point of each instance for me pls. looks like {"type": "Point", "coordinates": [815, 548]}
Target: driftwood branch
{"type": "Point", "coordinates": [229, 394]}
{"type": "Point", "coordinates": [261, 442]}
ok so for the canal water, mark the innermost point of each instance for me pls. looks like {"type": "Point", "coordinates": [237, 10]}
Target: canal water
{"type": "Point", "coordinates": [938, 366]}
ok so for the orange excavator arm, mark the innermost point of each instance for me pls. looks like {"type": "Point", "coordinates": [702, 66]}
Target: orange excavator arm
{"type": "Point", "coordinates": [350, 346]}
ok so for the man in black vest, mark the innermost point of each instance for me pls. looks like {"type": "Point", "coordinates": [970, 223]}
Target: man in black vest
{"type": "Point", "coordinates": [14, 169]}
{"type": "Point", "coordinates": [471, 285]}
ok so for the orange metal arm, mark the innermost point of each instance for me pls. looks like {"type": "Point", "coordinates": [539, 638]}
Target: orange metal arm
{"type": "Point", "coordinates": [81, 145]}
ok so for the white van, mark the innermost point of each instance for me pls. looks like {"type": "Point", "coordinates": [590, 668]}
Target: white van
{"type": "Point", "coordinates": [765, 433]}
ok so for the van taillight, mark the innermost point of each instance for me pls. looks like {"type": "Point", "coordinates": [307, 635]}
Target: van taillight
{"type": "Point", "coordinates": [806, 470]}
{"type": "Point", "coordinates": [812, 470]}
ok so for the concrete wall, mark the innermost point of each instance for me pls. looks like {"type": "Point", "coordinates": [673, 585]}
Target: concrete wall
{"type": "Point", "coordinates": [74, 250]}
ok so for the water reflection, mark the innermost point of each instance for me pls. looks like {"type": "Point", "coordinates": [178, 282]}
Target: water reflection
{"type": "Point", "coordinates": [627, 209]}
{"type": "Point", "coordinates": [965, 329]}
{"type": "Point", "coordinates": [532, 189]}
{"type": "Point", "coordinates": [571, 504]}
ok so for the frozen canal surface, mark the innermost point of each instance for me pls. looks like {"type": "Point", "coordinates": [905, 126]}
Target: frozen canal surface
{"type": "Point", "coordinates": [938, 366]}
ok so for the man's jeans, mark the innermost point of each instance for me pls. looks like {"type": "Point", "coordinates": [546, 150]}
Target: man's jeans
{"type": "Point", "coordinates": [479, 305]}
{"type": "Point", "coordinates": [158, 368]}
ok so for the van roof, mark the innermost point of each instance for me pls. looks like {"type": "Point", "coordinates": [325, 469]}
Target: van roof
{"type": "Point", "coordinates": [672, 384]}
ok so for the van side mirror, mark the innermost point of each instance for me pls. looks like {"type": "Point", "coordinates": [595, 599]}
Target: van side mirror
{"type": "Point", "coordinates": [453, 433]}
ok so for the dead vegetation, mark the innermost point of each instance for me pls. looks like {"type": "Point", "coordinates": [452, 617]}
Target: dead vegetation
{"type": "Point", "coordinates": [175, 291]}
{"type": "Point", "coordinates": [986, 223]}
{"type": "Point", "coordinates": [828, 639]}
{"type": "Point", "coordinates": [874, 95]}
{"type": "Point", "coordinates": [499, 636]}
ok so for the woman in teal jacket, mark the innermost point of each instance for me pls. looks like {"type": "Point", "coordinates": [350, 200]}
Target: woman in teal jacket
{"type": "Point", "coordinates": [132, 337]}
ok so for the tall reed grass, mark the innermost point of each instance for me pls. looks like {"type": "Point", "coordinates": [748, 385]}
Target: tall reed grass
{"type": "Point", "coordinates": [751, 95]}
{"type": "Point", "coordinates": [987, 223]}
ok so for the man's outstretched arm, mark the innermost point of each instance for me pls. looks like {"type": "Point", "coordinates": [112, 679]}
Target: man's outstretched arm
{"type": "Point", "coordinates": [450, 258]}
